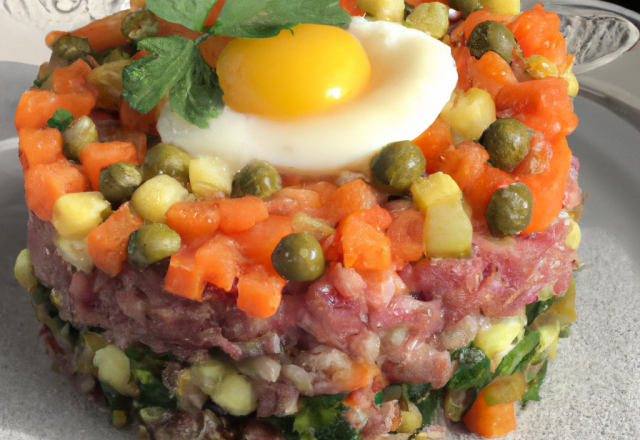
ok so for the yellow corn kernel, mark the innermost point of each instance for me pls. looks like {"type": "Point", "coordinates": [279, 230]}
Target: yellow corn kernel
{"type": "Point", "coordinates": [74, 251]}
{"type": "Point", "coordinates": [411, 419]}
{"type": "Point", "coordinates": [500, 334]}
{"type": "Point", "coordinates": [539, 67]}
{"type": "Point", "coordinates": [470, 112]}
{"type": "Point", "coordinates": [153, 198]}
{"type": "Point", "coordinates": [428, 190]}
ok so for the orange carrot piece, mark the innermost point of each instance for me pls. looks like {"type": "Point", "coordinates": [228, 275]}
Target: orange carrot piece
{"type": "Point", "coordinates": [213, 47]}
{"type": "Point", "coordinates": [258, 242]}
{"type": "Point", "coordinates": [97, 156]}
{"type": "Point", "coordinates": [46, 183]}
{"type": "Point", "coordinates": [105, 33]}
{"type": "Point", "coordinates": [358, 375]}
{"type": "Point", "coordinates": [166, 28]}
{"type": "Point", "coordinates": [73, 79]}
{"type": "Point", "coordinates": [39, 146]}
{"type": "Point", "coordinates": [465, 163]}
{"type": "Point", "coordinates": [216, 261]}
{"type": "Point", "coordinates": [214, 13]}
{"type": "Point", "coordinates": [490, 421]}
{"type": "Point", "coordinates": [107, 244]}
{"type": "Point", "coordinates": [461, 56]}
{"type": "Point", "coordinates": [478, 194]}
{"type": "Point", "coordinates": [433, 141]}
{"type": "Point", "coordinates": [351, 6]}
{"type": "Point", "coordinates": [37, 106]}
{"type": "Point", "coordinates": [323, 188]}
{"type": "Point", "coordinates": [53, 36]}
{"type": "Point", "coordinates": [548, 188]}
{"type": "Point", "coordinates": [193, 219]}
{"type": "Point", "coordinates": [182, 278]}
{"type": "Point", "coordinates": [260, 292]}
{"type": "Point", "coordinates": [364, 244]}
{"type": "Point", "coordinates": [349, 197]}
{"type": "Point", "coordinates": [240, 214]}
{"type": "Point", "coordinates": [289, 201]}
{"type": "Point", "coordinates": [490, 73]}
{"type": "Point", "coordinates": [406, 236]}
{"type": "Point", "coordinates": [110, 133]}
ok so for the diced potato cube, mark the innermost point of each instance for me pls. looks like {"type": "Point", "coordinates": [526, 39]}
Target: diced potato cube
{"type": "Point", "coordinates": [500, 334]}
{"type": "Point", "coordinates": [447, 229]}
{"type": "Point", "coordinates": [430, 18]}
{"type": "Point", "coordinates": [209, 175]}
{"type": "Point", "coordinates": [470, 112]}
{"type": "Point", "coordinates": [153, 198]}
{"type": "Point", "coordinates": [235, 394]}
{"type": "Point", "coordinates": [387, 10]}
{"type": "Point", "coordinates": [73, 250]}
{"type": "Point", "coordinates": [502, 7]}
{"type": "Point", "coordinates": [428, 190]}
{"type": "Point", "coordinates": [114, 368]}
{"type": "Point", "coordinates": [77, 214]}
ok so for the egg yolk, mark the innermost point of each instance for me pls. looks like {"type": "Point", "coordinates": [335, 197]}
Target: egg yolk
{"type": "Point", "coordinates": [307, 71]}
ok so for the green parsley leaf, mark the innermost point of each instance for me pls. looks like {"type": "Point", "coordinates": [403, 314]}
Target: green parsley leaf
{"type": "Point", "coordinates": [284, 425]}
{"type": "Point", "coordinates": [198, 96]}
{"type": "Point", "coordinates": [188, 13]}
{"type": "Point", "coordinates": [61, 119]}
{"type": "Point", "coordinates": [474, 369]}
{"type": "Point", "coordinates": [266, 18]}
{"type": "Point", "coordinates": [148, 79]}
{"type": "Point", "coordinates": [426, 400]}
{"type": "Point", "coordinates": [537, 308]}
{"type": "Point", "coordinates": [512, 360]}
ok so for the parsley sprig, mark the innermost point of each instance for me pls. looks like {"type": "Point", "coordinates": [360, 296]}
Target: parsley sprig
{"type": "Point", "coordinates": [176, 65]}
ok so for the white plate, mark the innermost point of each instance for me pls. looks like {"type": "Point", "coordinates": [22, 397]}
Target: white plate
{"type": "Point", "coordinates": [592, 390]}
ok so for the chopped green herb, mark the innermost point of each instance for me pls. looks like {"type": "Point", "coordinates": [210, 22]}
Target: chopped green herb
{"type": "Point", "coordinates": [474, 369]}
{"type": "Point", "coordinates": [537, 308]}
{"type": "Point", "coordinates": [565, 333]}
{"type": "Point", "coordinates": [38, 82]}
{"type": "Point", "coordinates": [533, 390]}
{"type": "Point", "coordinates": [266, 18]}
{"type": "Point", "coordinates": [61, 119]}
{"type": "Point", "coordinates": [512, 361]}
{"type": "Point", "coordinates": [188, 13]}
{"type": "Point", "coordinates": [425, 399]}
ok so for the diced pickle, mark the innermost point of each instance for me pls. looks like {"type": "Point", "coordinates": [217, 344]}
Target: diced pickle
{"type": "Point", "coordinates": [153, 198]}
{"type": "Point", "coordinates": [447, 229]}
{"type": "Point", "coordinates": [430, 18]}
{"type": "Point", "coordinates": [108, 80]}
{"type": "Point", "coordinates": [152, 243]}
{"type": "Point", "coordinates": [470, 112]}
{"type": "Point", "coordinates": [24, 272]}
{"type": "Point", "coordinates": [139, 24]}
{"type": "Point", "coordinates": [77, 214]}
{"type": "Point", "coordinates": [505, 389]}
{"type": "Point", "coordinates": [209, 175]}
{"type": "Point", "coordinates": [428, 190]}
{"type": "Point", "coordinates": [387, 10]}
{"type": "Point", "coordinates": [70, 48]}
{"type": "Point", "coordinates": [82, 133]}
{"type": "Point", "coordinates": [114, 369]}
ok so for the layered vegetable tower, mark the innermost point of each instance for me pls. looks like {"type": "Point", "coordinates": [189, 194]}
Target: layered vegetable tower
{"type": "Point", "coordinates": [225, 296]}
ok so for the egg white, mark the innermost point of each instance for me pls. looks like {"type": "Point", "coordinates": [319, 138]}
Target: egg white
{"type": "Point", "coordinates": [412, 77]}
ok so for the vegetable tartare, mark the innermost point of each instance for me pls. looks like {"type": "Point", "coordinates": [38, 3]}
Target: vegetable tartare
{"type": "Point", "coordinates": [304, 219]}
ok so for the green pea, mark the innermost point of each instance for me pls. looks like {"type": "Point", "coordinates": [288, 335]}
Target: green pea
{"type": "Point", "coordinates": [118, 181]}
{"type": "Point", "coordinates": [169, 160]}
{"type": "Point", "coordinates": [258, 178]}
{"type": "Point", "coordinates": [152, 243]}
{"type": "Point", "coordinates": [71, 48]}
{"type": "Point", "coordinates": [491, 36]}
{"type": "Point", "coordinates": [298, 257]}
{"type": "Point", "coordinates": [139, 24]}
{"type": "Point", "coordinates": [510, 210]}
{"type": "Point", "coordinates": [465, 6]}
{"type": "Point", "coordinates": [397, 166]}
{"type": "Point", "coordinates": [507, 142]}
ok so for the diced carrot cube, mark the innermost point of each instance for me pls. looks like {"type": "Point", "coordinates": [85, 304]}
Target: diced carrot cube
{"type": "Point", "coordinates": [465, 163]}
{"type": "Point", "coordinates": [39, 146]}
{"type": "Point", "coordinates": [107, 244]}
{"type": "Point", "coordinates": [490, 421]}
{"type": "Point", "coordinates": [364, 244]}
{"type": "Point", "coordinates": [406, 236]}
{"type": "Point", "coordinates": [260, 292]}
{"type": "Point", "coordinates": [105, 33]}
{"type": "Point", "coordinates": [216, 261]}
{"type": "Point", "coordinates": [193, 220]}
{"type": "Point", "coordinates": [259, 241]}
{"type": "Point", "coordinates": [240, 214]}
{"type": "Point", "coordinates": [46, 183]}
{"type": "Point", "coordinates": [479, 194]}
{"type": "Point", "coordinates": [97, 156]}
{"type": "Point", "coordinates": [36, 107]}
{"type": "Point", "coordinates": [349, 197]}
{"type": "Point", "coordinates": [130, 119]}
{"type": "Point", "coordinates": [433, 142]}
{"type": "Point", "coordinates": [490, 73]}
{"type": "Point", "coordinates": [182, 278]}
{"type": "Point", "coordinates": [73, 79]}
{"type": "Point", "coordinates": [109, 133]}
